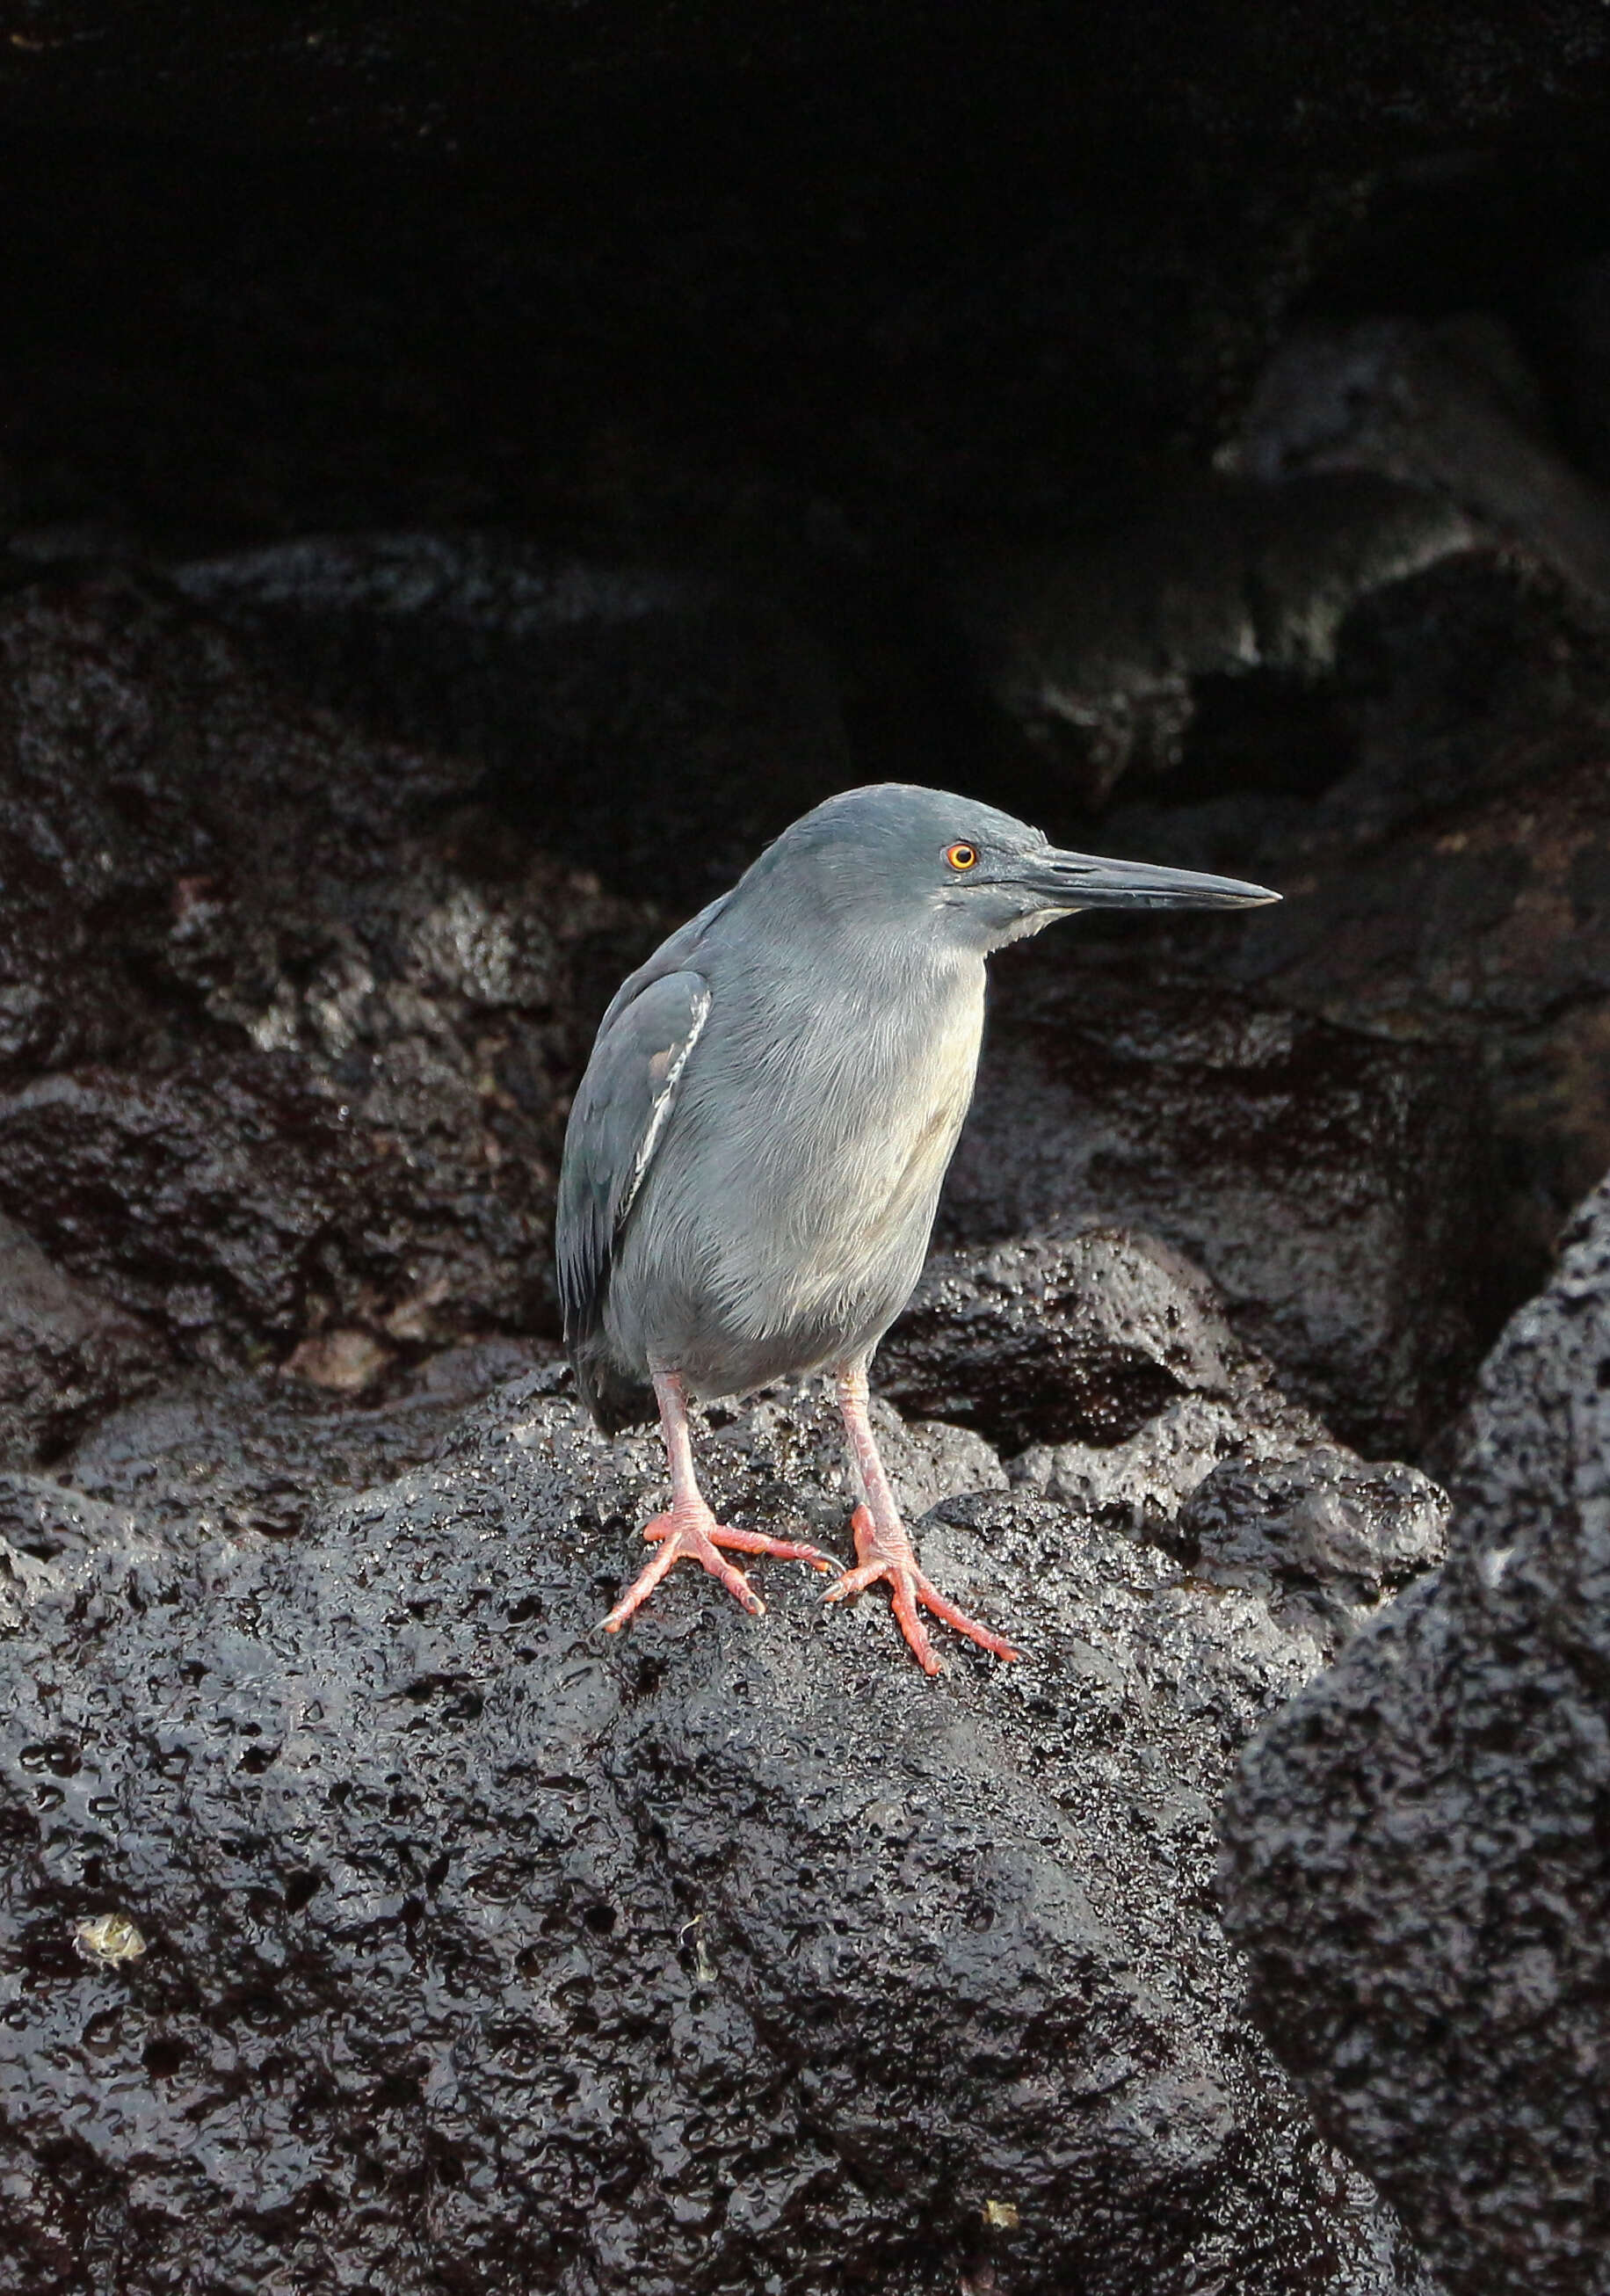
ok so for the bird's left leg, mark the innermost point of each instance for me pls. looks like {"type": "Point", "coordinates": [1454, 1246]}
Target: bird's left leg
{"type": "Point", "coordinates": [688, 1527]}
{"type": "Point", "coordinates": [883, 1547]}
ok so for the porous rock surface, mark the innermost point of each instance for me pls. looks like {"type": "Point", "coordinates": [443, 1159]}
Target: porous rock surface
{"type": "Point", "coordinates": [729, 1955]}
{"type": "Point", "coordinates": [543, 667]}
{"type": "Point", "coordinates": [1415, 1851]}
{"type": "Point", "coordinates": [287, 1018]}
{"type": "Point", "coordinates": [1058, 1340]}
{"type": "Point", "coordinates": [65, 1355]}
{"type": "Point", "coordinates": [214, 1454]}
{"type": "Point", "coordinates": [1106, 1368]}
{"type": "Point", "coordinates": [1337, 1190]}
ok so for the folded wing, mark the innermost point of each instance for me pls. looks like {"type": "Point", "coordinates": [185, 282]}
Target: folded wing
{"type": "Point", "coordinates": [617, 1123]}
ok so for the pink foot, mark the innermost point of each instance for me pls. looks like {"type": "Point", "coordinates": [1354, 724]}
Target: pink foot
{"type": "Point", "coordinates": [891, 1557]}
{"type": "Point", "coordinates": [682, 1531]}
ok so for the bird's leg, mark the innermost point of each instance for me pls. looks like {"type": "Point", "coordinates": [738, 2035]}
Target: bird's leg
{"type": "Point", "coordinates": [883, 1547]}
{"type": "Point", "coordinates": [688, 1526]}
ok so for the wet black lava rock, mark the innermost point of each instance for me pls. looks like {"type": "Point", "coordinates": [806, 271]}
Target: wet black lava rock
{"type": "Point", "coordinates": [1416, 1852]}
{"type": "Point", "coordinates": [211, 1455]}
{"type": "Point", "coordinates": [1323, 1530]}
{"type": "Point", "coordinates": [1339, 1190]}
{"type": "Point", "coordinates": [286, 1021]}
{"type": "Point", "coordinates": [1084, 1339]}
{"type": "Point", "coordinates": [66, 1357]}
{"type": "Point", "coordinates": [1109, 1360]}
{"type": "Point", "coordinates": [368, 1916]}
{"type": "Point", "coordinates": [655, 725]}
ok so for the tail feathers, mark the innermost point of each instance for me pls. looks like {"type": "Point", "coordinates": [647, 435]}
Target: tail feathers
{"type": "Point", "coordinates": [615, 1400]}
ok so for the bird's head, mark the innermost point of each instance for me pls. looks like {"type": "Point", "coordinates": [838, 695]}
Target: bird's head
{"type": "Point", "coordinates": [920, 860]}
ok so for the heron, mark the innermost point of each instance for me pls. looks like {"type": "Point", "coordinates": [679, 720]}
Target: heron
{"type": "Point", "coordinates": [754, 1156]}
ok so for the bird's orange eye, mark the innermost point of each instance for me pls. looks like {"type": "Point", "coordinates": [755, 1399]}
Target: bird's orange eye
{"type": "Point", "coordinates": [961, 857]}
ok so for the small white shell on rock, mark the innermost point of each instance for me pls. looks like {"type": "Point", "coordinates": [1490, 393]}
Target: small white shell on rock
{"type": "Point", "coordinates": [108, 1937]}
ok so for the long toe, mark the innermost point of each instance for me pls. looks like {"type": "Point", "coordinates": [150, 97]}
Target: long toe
{"type": "Point", "coordinates": [905, 1590]}
{"type": "Point", "coordinates": [755, 1542]}
{"type": "Point", "coordinates": [908, 1587]}
{"type": "Point", "coordinates": [669, 1534]}
{"type": "Point", "coordinates": [931, 1599]}
{"type": "Point", "coordinates": [676, 1535]}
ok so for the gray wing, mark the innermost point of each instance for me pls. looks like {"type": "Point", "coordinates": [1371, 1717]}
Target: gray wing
{"type": "Point", "coordinates": [677, 953]}
{"type": "Point", "coordinates": [616, 1123]}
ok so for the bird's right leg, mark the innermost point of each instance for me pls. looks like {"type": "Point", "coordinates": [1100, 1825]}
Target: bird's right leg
{"type": "Point", "coordinates": [688, 1526]}
{"type": "Point", "coordinates": [883, 1546]}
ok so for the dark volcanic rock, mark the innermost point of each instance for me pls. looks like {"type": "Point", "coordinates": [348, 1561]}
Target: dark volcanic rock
{"type": "Point", "coordinates": [1444, 872]}
{"type": "Point", "coordinates": [1451, 409]}
{"type": "Point", "coordinates": [1367, 456]}
{"type": "Point", "coordinates": [1094, 648]}
{"type": "Point", "coordinates": [1416, 1853]}
{"type": "Point", "coordinates": [65, 1357]}
{"type": "Point", "coordinates": [364, 1907]}
{"type": "Point", "coordinates": [201, 1197]}
{"type": "Point", "coordinates": [1485, 926]}
{"type": "Point", "coordinates": [237, 1204]}
{"type": "Point", "coordinates": [213, 1457]}
{"type": "Point", "coordinates": [623, 710]}
{"type": "Point", "coordinates": [639, 269]}
{"type": "Point", "coordinates": [1323, 1530]}
{"type": "Point", "coordinates": [1446, 894]}
{"type": "Point", "coordinates": [290, 1023]}
{"type": "Point", "coordinates": [1109, 1356]}
{"type": "Point", "coordinates": [1338, 1191]}
{"type": "Point", "coordinates": [1078, 1339]}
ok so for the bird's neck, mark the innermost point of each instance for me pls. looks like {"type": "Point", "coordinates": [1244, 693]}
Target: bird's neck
{"type": "Point", "coordinates": [917, 976]}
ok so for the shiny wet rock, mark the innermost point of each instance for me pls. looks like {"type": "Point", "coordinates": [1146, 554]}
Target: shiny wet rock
{"type": "Point", "coordinates": [1338, 1189]}
{"type": "Point", "coordinates": [731, 1951]}
{"type": "Point", "coordinates": [292, 1017]}
{"type": "Point", "coordinates": [1415, 1857]}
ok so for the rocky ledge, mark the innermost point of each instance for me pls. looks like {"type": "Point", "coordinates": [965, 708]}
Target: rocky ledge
{"type": "Point", "coordinates": [366, 1907]}
{"type": "Point", "coordinates": [1416, 1851]}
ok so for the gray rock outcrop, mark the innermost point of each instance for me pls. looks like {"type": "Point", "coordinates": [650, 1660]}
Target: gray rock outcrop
{"type": "Point", "coordinates": [364, 1906]}
{"type": "Point", "coordinates": [1416, 1853]}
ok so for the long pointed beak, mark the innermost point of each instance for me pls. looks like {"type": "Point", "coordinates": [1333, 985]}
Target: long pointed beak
{"type": "Point", "coordinates": [1084, 881]}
